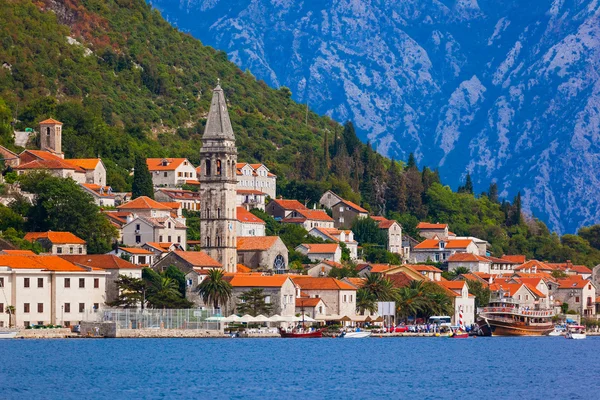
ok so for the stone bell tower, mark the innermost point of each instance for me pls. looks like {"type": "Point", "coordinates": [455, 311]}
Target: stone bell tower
{"type": "Point", "coordinates": [51, 136]}
{"type": "Point", "coordinates": [218, 182]}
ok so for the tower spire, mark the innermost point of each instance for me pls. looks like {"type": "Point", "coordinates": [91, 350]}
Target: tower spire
{"type": "Point", "coordinates": [218, 125]}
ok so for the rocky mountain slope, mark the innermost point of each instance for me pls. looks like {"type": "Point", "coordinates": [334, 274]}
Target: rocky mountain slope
{"type": "Point", "coordinates": [507, 90]}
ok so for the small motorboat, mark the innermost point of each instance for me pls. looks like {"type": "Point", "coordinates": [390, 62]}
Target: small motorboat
{"type": "Point", "coordinates": [301, 333]}
{"type": "Point", "coordinates": [8, 334]}
{"type": "Point", "coordinates": [559, 330]}
{"type": "Point", "coordinates": [459, 335]}
{"type": "Point", "coordinates": [355, 335]}
{"type": "Point", "coordinates": [576, 332]}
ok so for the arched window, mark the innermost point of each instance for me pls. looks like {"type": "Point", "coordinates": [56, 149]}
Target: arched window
{"type": "Point", "coordinates": [218, 167]}
{"type": "Point", "coordinates": [207, 212]}
{"type": "Point", "coordinates": [208, 241]}
{"type": "Point", "coordinates": [207, 169]}
{"type": "Point", "coordinates": [218, 213]}
{"type": "Point", "coordinates": [218, 241]}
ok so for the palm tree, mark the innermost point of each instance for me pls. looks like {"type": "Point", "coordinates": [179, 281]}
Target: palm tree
{"type": "Point", "coordinates": [365, 301]}
{"type": "Point", "coordinates": [381, 288]}
{"type": "Point", "coordinates": [214, 289]}
{"type": "Point", "coordinates": [165, 288]}
{"type": "Point", "coordinates": [410, 300]}
{"type": "Point", "coordinates": [10, 310]}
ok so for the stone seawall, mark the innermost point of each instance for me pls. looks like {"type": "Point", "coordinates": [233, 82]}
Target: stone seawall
{"type": "Point", "coordinates": [54, 333]}
{"type": "Point", "coordinates": [169, 333]}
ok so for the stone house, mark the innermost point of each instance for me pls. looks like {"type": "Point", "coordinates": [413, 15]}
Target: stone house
{"type": "Point", "coordinates": [188, 199]}
{"type": "Point", "coordinates": [336, 235]}
{"type": "Point", "coordinates": [280, 208]}
{"type": "Point", "coordinates": [95, 171]}
{"type": "Point", "coordinates": [579, 293]}
{"type": "Point", "coordinates": [103, 195]}
{"type": "Point", "coordinates": [8, 157]}
{"type": "Point", "coordinates": [251, 199]}
{"type": "Point", "coordinates": [58, 242]}
{"type": "Point", "coordinates": [112, 265]}
{"type": "Point", "coordinates": [428, 271]}
{"type": "Point", "coordinates": [140, 230]}
{"type": "Point", "coordinates": [431, 231]}
{"type": "Point", "coordinates": [280, 291]}
{"type": "Point", "coordinates": [313, 307]}
{"type": "Point", "coordinates": [440, 250]}
{"type": "Point", "coordinates": [263, 252]}
{"type": "Point", "coordinates": [256, 177]}
{"type": "Point", "coordinates": [171, 172]}
{"type": "Point", "coordinates": [322, 268]}
{"type": "Point", "coordinates": [135, 255]}
{"type": "Point", "coordinates": [461, 300]}
{"type": "Point", "coordinates": [393, 231]}
{"type": "Point", "coordinates": [309, 219]}
{"type": "Point", "coordinates": [321, 251]}
{"type": "Point", "coordinates": [249, 224]}
{"type": "Point", "coordinates": [38, 160]}
{"type": "Point", "coordinates": [329, 199]}
{"type": "Point", "coordinates": [473, 262]}
{"type": "Point", "coordinates": [160, 250]}
{"type": "Point", "coordinates": [345, 212]}
{"type": "Point", "coordinates": [339, 297]}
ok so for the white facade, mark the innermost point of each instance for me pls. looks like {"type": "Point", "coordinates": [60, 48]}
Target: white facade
{"type": "Point", "coordinates": [141, 230]}
{"type": "Point", "coordinates": [171, 172]}
{"type": "Point", "coordinates": [256, 177]}
{"type": "Point", "coordinates": [250, 229]}
{"type": "Point", "coordinates": [320, 252]}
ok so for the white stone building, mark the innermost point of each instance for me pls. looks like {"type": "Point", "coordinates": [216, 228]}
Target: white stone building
{"type": "Point", "coordinates": [256, 177]}
{"type": "Point", "coordinates": [249, 224]}
{"type": "Point", "coordinates": [320, 252]}
{"type": "Point", "coordinates": [58, 242]}
{"type": "Point", "coordinates": [171, 172]}
{"type": "Point", "coordinates": [337, 236]}
{"type": "Point", "coordinates": [309, 219]}
{"type": "Point", "coordinates": [393, 231]}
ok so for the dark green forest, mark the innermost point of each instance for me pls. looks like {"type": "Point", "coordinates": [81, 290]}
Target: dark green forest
{"type": "Point", "coordinates": [126, 84]}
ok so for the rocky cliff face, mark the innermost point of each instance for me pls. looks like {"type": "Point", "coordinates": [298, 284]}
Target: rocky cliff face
{"type": "Point", "coordinates": [507, 90]}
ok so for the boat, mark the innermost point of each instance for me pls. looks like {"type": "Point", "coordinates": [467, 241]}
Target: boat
{"type": "Point", "coordinates": [301, 333]}
{"type": "Point", "coordinates": [8, 334]}
{"type": "Point", "coordinates": [559, 330]}
{"type": "Point", "coordinates": [506, 318]}
{"type": "Point", "coordinates": [355, 335]}
{"type": "Point", "coordinates": [576, 332]}
{"type": "Point", "coordinates": [459, 335]}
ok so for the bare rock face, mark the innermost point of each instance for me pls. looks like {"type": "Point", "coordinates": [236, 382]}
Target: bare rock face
{"type": "Point", "coordinates": [507, 90]}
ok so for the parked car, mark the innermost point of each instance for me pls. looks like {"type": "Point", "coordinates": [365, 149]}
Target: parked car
{"type": "Point", "coordinates": [397, 329]}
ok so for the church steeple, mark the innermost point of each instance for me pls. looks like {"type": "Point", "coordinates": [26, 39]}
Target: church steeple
{"type": "Point", "coordinates": [218, 182]}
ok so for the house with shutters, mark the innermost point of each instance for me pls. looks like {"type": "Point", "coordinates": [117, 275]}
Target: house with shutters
{"type": "Point", "coordinates": [58, 242]}
{"type": "Point", "coordinates": [345, 236]}
{"type": "Point", "coordinates": [577, 292]}
{"type": "Point", "coordinates": [265, 253]}
{"type": "Point", "coordinates": [279, 290]}
{"type": "Point", "coordinates": [345, 212]}
{"type": "Point", "coordinates": [440, 250]}
{"type": "Point", "coordinates": [473, 262]}
{"type": "Point", "coordinates": [256, 177]}
{"type": "Point", "coordinates": [95, 171]}
{"type": "Point", "coordinates": [309, 219]}
{"type": "Point", "coordinates": [249, 224]}
{"type": "Point", "coordinates": [188, 199]}
{"type": "Point", "coordinates": [281, 208]}
{"type": "Point", "coordinates": [171, 172]}
{"type": "Point", "coordinates": [393, 231]}
{"type": "Point", "coordinates": [462, 301]}
{"type": "Point", "coordinates": [103, 195]}
{"type": "Point", "coordinates": [39, 160]}
{"type": "Point", "coordinates": [251, 199]}
{"type": "Point", "coordinates": [321, 251]}
{"type": "Point", "coordinates": [338, 296]}
{"type": "Point", "coordinates": [135, 255]}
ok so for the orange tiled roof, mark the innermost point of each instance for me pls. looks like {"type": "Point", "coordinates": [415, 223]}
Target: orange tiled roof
{"type": "Point", "coordinates": [248, 280]}
{"type": "Point", "coordinates": [250, 191]}
{"type": "Point", "coordinates": [84, 163]}
{"type": "Point", "coordinates": [356, 282]}
{"type": "Point", "coordinates": [573, 281]}
{"type": "Point", "coordinates": [155, 164]}
{"type": "Point", "coordinates": [428, 225]}
{"type": "Point", "coordinates": [255, 243]}
{"type": "Point", "coordinates": [467, 257]}
{"type": "Point", "coordinates": [135, 250]}
{"type": "Point", "coordinates": [143, 203]}
{"type": "Point", "coordinates": [316, 215]}
{"type": "Point", "coordinates": [516, 258]}
{"type": "Point", "coordinates": [192, 182]}
{"type": "Point", "coordinates": [307, 302]}
{"type": "Point", "coordinates": [44, 262]}
{"type": "Point", "coordinates": [423, 267]}
{"type": "Point", "coordinates": [384, 223]}
{"type": "Point", "coordinates": [458, 243]}
{"type": "Point", "coordinates": [289, 204]}
{"type": "Point", "coordinates": [51, 121]}
{"type": "Point", "coordinates": [102, 261]}
{"type": "Point", "coordinates": [540, 266]}
{"type": "Point", "coordinates": [332, 263]}
{"type": "Point", "coordinates": [400, 279]}
{"type": "Point", "coordinates": [54, 237]}
{"type": "Point", "coordinates": [453, 285]}
{"type": "Point", "coordinates": [352, 205]}
{"type": "Point", "coordinates": [47, 164]}
{"type": "Point", "coordinates": [174, 205]}
{"type": "Point", "coordinates": [246, 216]}
{"type": "Point", "coordinates": [18, 252]}
{"type": "Point", "coordinates": [428, 244]}
{"type": "Point", "coordinates": [321, 248]}
{"type": "Point", "coordinates": [311, 283]}
{"type": "Point", "coordinates": [198, 259]}
{"type": "Point", "coordinates": [242, 269]}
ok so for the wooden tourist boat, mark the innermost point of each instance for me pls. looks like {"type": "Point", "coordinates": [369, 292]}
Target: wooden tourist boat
{"type": "Point", "coordinates": [507, 318]}
{"type": "Point", "coordinates": [301, 334]}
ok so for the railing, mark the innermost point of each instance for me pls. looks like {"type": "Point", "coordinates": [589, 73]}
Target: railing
{"type": "Point", "coordinates": [160, 319]}
{"type": "Point", "coordinates": [519, 311]}
{"type": "Point", "coordinates": [512, 321]}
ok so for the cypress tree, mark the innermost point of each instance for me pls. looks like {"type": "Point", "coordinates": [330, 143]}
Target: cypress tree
{"type": "Point", "coordinates": [516, 209]}
{"type": "Point", "coordinates": [352, 141]}
{"type": "Point", "coordinates": [142, 180]}
{"type": "Point", "coordinates": [469, 185]}
{"type": "Point", "coordinates": [493, 192]}
{"type": "Point", "coordinates": [396, 189]}
{"type": "Point", "coordinates": [411, 163]}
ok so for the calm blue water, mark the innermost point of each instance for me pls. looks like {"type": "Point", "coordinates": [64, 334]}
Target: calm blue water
{"type": "Point", "coordinates": [420, 368]}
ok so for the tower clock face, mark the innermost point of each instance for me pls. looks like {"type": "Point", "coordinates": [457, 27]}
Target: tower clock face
{"type": "Point", "coordinates": [279, 262]}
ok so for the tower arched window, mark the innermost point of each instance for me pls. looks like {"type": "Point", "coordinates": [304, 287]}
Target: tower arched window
{"type": "Point", "coordinates": [207, 212]}
{"type": "Point", "coordinates": [208, 241]}
{"type": "Point", "coordinates": [218, 213]}
{"type": "Point", "coordinates": [207, 169]}
{"type": "Point", "coordinates": [218, 241]}
{"type": "Point", "coordinates": [218, 167]}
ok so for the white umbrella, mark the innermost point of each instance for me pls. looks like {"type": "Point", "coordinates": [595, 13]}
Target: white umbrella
{"type": "Point", "coordinates": [232, 318]}
{"type": "Point", "coordinates": [247, 318]}
{"type": "Point", "coordinates": [275, 318]}
{"type": "Point", "coordinates": [261, 318]}
{"type": "Point", "coordinates": [308, 319]}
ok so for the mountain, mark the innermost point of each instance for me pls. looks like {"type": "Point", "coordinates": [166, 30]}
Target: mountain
{"type": "Point", "coordinates": [507, 90]}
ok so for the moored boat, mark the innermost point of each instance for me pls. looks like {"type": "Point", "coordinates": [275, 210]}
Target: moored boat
{"type": "Point", "coordinates": [558, 331]}
{"type": "Point", "coordinates": [8, 334]}
{"type": "Point", "coordinates": [355, 335]}
{"type": "Point", "coordinates": [576, 332]}
{"type": "Point", "coordinates": [301, 333]}
{"type": "Point", "coordinates": [507, 318]}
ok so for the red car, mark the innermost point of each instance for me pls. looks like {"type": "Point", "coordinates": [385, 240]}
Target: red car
{"type": "Point", "coordinates": [397, 329]}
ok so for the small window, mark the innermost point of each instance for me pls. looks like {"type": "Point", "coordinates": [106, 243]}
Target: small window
{"type": "Point", "coordinates": [169, 224]}
{"type": "Point", "coordinates": [81, 282]}
{"type": "Point", "coordinates": [40, 282]}
{"type": "Point", "coordinates": [160, 238]}
{"type": "Point", "coordinates": [138, 239]}
{"type": "Point", "coordinates": [67, 307]}
{"type": "Point", "coordinates": [165, 174]}
{"type": "Point", "coordinates": [345, 299]}
{"type": "Point", "coordinates": [67, 282]}
{"type": "Point", "coordinates": [178, 239]}
{"type": "Point", "coordinates": [25, 307]}
{"type": "Point", "coordinates": [96, 283]}
{"type": "Point", "coordinates": [59, 250]}
{"type": "Point", "coordinates": [27, 323]}
{"type": "Point", "coordinates": [71, 250]}
{"type": "Point", "coordinates": [81, 250]}
{"type": "Point", "coordinates": [1, 307]}
{"type": "Point", "coordinates": [179, 174]}
{"type": "Point", "coordinates": [81, 307]}
{"type": "Point", "coordinates": [40, 307]}
{"type": "Point", "coordinates": [96, 306]}
{"type": "Point", "coordinates": [137, 227]}
{"type": "Point", "coordinates": [576, 299]}
{"type": "Point", "coordinates": [1, 282]}
{"type": "Point", "coordinates": [268, 299]}
{"type": "Point", "coordinates": [25, 282]}
{"type": "Point", "coordinates": [169, 238]}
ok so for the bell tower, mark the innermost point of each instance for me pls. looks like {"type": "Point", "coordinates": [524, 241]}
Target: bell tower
{"type": "Point", "coordinates": [218, 182]}
{"type": "Point", "coordinates": [51, 136]}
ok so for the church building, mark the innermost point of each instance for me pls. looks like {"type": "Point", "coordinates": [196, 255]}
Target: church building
{"type": "Point", "coordinates": [218, 184]}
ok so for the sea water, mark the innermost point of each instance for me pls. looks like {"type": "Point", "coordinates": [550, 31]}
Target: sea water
{"type": "Point", "coordinates": [374, 368]}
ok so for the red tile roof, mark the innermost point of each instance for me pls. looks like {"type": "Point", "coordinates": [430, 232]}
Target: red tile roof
{"type": "Point", "coordinates": [356, 282]}
{"type": "Point", "coordinates": [316, 215]}
{"type": "Point", "coordinates": [54, 237]}
{"type": "Point", "coordinates": [43, 262]}
{"type": "Point", "coordinates": [135, 250]}
{"type": "Point", "coordinates": [143, 203]}
{"type": "Point", "coordinates": [102, 261]}
{"type": "Point", "coordinates": [242, 269]}
{"type": "Point", "coordinates": [423, 267]}
{"type": "Point", "coordinates": [289, 204]}
{"type": "Point", "coordinates": [248, 280]}
{"type": "Point", "coordinates": [428, 225]}
{"type": "Point", "coordinates": [246, 216]}
{"type": "Point", "coordinates": [18, 252]}
{"type": "Point", "coordinates": [467, 257]}
{"type": "Point", "coordinates": [400, 279]}
{"type": "Point", "coordinates": [353, 205]}
{"type": "Point", "coordinates": [51, 121]}
{"type": "Point", "coordinates": [517, 258]}
{"type": "Point", "coordinates": [307, 302]}
{"type": "Point", "coordinates": [198, 259]}
{"type": "Point", "coordinates": [428, 244]}
{"type": "Point", "coordinates": [325, 283]}
{"type": "Point", "coordinates": [458, 243]}
{"type": "Point", "coordinates": [156, 164]}
{"type": "Point", "coordinates": [320, 248]}
{"type": "Point", "coordinates": [85, 163]}
{"type": "Point", "coordinates": [384, 223]}
{"type": "Point", "coordinates": [573, 281]}
{"type": "Point", "coordinates": [255, 243]}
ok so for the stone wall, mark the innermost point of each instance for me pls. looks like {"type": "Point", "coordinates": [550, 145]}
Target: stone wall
{"type": "Point", "coordinates": [54, 333]}
{"type": "Point", "coordinates": [169, 333]}
{"type": "Point", "coordinates": [105, 329]}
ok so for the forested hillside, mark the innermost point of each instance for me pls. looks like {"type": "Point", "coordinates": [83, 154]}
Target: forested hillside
{"type": "Point", "coordinates": [126, 83]}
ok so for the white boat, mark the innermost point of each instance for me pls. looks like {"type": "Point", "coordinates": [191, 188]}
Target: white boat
{"type": "Point", "coordinates": [8, 334]}
{"type": "Point", "coordinates": [576, 332]}
{"type": "Point", "coordinates": [558, 331]}
{"type": "Point", "coordinates": [356, 335]}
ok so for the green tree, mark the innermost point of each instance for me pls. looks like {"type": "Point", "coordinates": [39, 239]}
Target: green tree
{"type": "Point", "coordinates": [142, 180]}
{"type": "Point", "coordinates": [396, 189]}
{"type": "Point", "coordinates": [11, 310]}
{"type": "Point", "coordinates": [254, 302]}
{"type": "Point", "coordinates": [178, 276]}
{"type": "Point", "coordinates": [61, 205]}
{"type": "Point", "coordinates": [365, 301]}
{"type": "Point", "coordinates": [481, 293]}
{"type": "Point", "coordinates": [366, 230]}
{"type": "Point", "coordinates": [380, 287]}
{"type": "Point", "coordinates": [215, 289]}
{"type": "Point", "coordinates": [493, 192]}
{"type": "Point", "coordinates": [132, 292]}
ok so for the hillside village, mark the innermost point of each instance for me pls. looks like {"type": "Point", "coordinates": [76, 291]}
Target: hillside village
{"type": "Point", "coordinates": [325, 275]}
